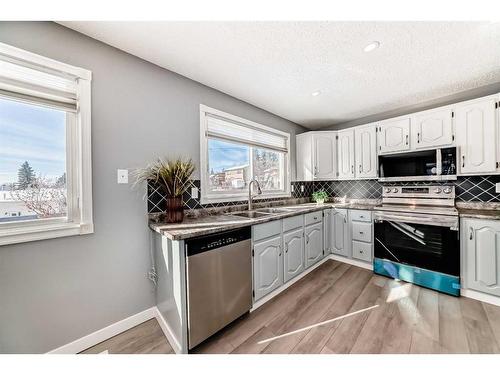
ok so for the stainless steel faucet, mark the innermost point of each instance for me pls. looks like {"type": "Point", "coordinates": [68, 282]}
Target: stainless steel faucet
{"type": "Point", "coordinates": [250, 196]}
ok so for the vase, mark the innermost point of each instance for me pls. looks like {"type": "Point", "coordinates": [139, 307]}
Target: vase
{"type": "Point", "coordinates": [319, 202]}
{"type": "Point", "coordinates": [175, 210]}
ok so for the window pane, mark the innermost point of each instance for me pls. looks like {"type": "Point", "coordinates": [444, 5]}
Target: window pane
{"type": "Point", "coordinates": [32, 162]}
{"type": "Point", "coordinates": [228, 166]}
{"type": "Point", "coordinates": [268, 167]}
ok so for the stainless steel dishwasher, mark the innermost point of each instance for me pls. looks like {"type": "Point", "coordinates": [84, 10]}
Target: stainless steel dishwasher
{"type": "Point", "coordinates": [219, 281]}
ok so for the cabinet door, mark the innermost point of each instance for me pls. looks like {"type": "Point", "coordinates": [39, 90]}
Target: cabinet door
{"type": "Point", "coordinates": [394, 135]}
{"type": "Point", "coordinates": [341, 242]}
{"type": "Point", "coordinates": [432, 128]}
{"type": "Point", "coordinates": [366, 151]}
{"type": "Point", "coordinates": [293, 243]}
{"type": "Point", "coordinates": [267, 266]}
{"type": "Point", "coordinates": [482, 255]}
{"type": "Point", "coordinates": [327, 231]}
{"type": "Point", "coordinates": [475, 127]}
{"type": "Point", "coordinates": [325, 157]}
{"type": "Point", "coordinates": [313, 243]}
{"type": "Point", "coordinates": [345, 154]}
{"type": "Point", "coordinates": [304, 157]}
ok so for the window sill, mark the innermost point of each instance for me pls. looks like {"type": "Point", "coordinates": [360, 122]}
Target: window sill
{"type": "Point", "coordinates": [43, 232]}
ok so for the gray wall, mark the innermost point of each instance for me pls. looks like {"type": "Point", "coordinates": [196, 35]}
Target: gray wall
{"type": "Point", "coordinates": [55, 291]}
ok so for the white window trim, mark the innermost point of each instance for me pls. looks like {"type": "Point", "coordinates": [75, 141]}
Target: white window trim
{"type": "Point", "coordinates": [204, 172]}
{"type": "Point", "coordinates": [78, 161]}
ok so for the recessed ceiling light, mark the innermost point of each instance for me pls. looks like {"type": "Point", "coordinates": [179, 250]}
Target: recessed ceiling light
{"type": "Point", "coordinates": [372, 46]}
{"type": "Point", "coordinates": [316, 93]}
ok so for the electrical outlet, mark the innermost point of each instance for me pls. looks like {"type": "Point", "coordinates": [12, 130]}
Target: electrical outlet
{"type": "Point", "coordinates": [302, 188]}
{"type": "Point", "coordinates": [122, 176]}
{"type": "Point", "coordinates": [194, 192]}
{"type": "Point", "coordinates": [497, 187]}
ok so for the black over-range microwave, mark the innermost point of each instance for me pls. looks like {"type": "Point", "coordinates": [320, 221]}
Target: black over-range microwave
{"type": "Point", "coordinates": [429, 165]}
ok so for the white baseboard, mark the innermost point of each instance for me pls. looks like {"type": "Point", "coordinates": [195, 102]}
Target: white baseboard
{"type": "Point", "coordinates": [174, 343]}
{"type": "Point", "coordinates": [353, 262]}
{"type": "Point", "coordinates": [483, 297]}
{"type": "Point", "coordinates": [106, 332]}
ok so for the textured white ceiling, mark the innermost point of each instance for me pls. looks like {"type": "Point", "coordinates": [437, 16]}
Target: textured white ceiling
{"type": "Point", "coordinates": [277, 65]}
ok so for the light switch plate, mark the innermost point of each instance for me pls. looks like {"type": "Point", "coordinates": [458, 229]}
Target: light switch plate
{"type": "Point", "coordinates": [497, 187]}
{"type": "Point", "coordinates": [122, 176]}
{"type": "Point", "coordinates": [194, 192]}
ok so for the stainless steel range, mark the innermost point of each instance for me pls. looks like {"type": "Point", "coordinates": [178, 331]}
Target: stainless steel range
{"type": "Point", "coordinates": [417, 236]}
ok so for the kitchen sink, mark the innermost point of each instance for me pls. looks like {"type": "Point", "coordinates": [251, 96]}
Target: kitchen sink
{"type": "Point", "coordinates": [250, 214]}
{"type": "Point", "coordinates": [272, 210]}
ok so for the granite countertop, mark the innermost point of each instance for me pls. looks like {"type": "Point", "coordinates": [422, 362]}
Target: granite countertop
{"type": "Point", "coordinates": [476, 210]}
{"type": "Point", "coordinates": [203, 225]}
{"type": "Point", "coordinates": [219, 222]}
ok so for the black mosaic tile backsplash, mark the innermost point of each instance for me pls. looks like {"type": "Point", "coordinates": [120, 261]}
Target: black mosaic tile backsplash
{"type": "Point", "coordinates": [468, 189]}
{"type": "Point", "coordinates": [157, 202]}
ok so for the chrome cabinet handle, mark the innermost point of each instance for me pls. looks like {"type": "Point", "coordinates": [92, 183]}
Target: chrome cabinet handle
{"type": "Point", "coordinates": [286, 248]}
{"type": "Point", "coordinates": [345, 220]}
{"type": "Point", "coordinates": [463, 161]}
{"type": "Point", "coordinates": [352, 168]}
{"type": "Point", "coordinates": [307, 238]}
{"type": "Point", "coordinates": [361, 251]}
{"type": "Point", "coordinates": [407, 139]}
{"type": "Point", "coordinates": [361, 233]}
{"type": "Point", "coordinates": [360, 168]}
{"type": "Point", "coordinates": [471, 235]}
{"type": "Point", "coordinates": [418, 137]}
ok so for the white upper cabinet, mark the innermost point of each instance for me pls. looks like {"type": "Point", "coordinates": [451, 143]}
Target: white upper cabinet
{"type": "Point", "coordinates": [394, 135]}
{"type": "Point", "coordinates": [365, 147]}
{"type": "Point", "coordinates": [324, 155]}
{"type": "Point", "coordinates": [433, 128]}
{"type": "Point", "coordinates": [316, 156]}
{"type": "Point", "coordinates": [345, 147]}
{"type": "Point", "coordinates": [475, 123]}
{"type": "Point", "coordinates": [304, 157]}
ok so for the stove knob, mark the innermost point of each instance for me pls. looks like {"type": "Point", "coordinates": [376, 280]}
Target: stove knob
{"type": "Point", "coordinates": [387, 190]}
{"type": "Point", "coordinates": [395, 190]}
{"type": "Point", "coordinates": [437, 190]}
{"type": "Point", "coordinates": [447, 190]}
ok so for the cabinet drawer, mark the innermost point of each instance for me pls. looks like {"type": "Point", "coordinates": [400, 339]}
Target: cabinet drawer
{"type": "Point", "coordinates": [266, 230]}
{"type": "Point", "coordinates": [362, 232]}
{"type": "Point", "coordinates": [313, 217]}
{"type": "Point", "coordinates": [293, 222]}
{"type": "Point", "coordinates": [360, 215]}
{"type": "Point", "coordinates": [362, 251]}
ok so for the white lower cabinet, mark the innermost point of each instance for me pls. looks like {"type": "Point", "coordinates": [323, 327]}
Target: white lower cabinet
{"type": "Point", "coordinates": [341, 242]}
{"type": "Point", "coordinates": [361, 230]}
{"type": "Point", "coordinates": [327, 232]}
{"type": "Point", "coordinates": [283, 249]}
{"type": "Point", "coordinates": [293, 246]}
{"type": "Point", "coordinates": [268, 266]}
{"type": "Point", "coordinates": [481, 255]}
{"type": "Point", "coordinates": [313, 235]}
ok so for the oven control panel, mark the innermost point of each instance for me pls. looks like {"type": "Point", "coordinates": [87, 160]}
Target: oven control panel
{"type": "Point", "coordinates": [419, 191]}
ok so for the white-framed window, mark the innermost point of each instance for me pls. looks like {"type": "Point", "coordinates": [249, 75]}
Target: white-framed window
{"type": "Point", "coordinates": [234, 151]}
{"type": "Point", "coordinates": [45, 148]}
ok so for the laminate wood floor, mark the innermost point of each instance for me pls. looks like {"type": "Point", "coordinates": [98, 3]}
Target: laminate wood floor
{"type": "Point", "coordinates": [339, 308]}
{"type": "Point", "coordinates": [146, 338]}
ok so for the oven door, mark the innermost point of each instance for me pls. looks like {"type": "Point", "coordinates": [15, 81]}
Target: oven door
{"type": "Point", "coordinates": [429, 242]}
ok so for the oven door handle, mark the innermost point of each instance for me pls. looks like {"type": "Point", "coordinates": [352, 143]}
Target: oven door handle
{"type": "Point", "coordinates": [434, 220]}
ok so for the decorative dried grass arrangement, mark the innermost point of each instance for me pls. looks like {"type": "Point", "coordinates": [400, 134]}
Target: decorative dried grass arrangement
{"type": "Point", "coordinates": [174, 178]}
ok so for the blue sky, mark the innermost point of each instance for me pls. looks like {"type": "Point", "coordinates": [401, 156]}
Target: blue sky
{"type": "Point", "coordinates": [225, 155]}
{"type": "Point", "coordinates": [31, 133]}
